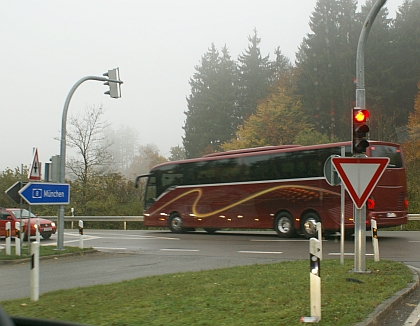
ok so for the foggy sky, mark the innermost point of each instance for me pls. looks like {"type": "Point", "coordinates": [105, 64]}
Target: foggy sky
{"type": "Point", "coordinates": [48, 45]}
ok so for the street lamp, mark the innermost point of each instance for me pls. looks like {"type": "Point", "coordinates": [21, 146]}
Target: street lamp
{"type": "Point", "coordinates": [60, 223]}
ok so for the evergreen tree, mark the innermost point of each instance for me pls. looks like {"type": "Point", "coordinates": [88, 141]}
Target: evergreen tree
{"type": "Point", "coordinates": [212, 104]}
{"type": "Point", "coordinates": [254, 78]}
{"type": "Point", "coordinates": [378, 62]}
{"type": "Point", "coordinates": [280, 67]}
{"type": "Point", "coordinates": [326, 62]}
{"type": "Point", "coordinates": [405, 63]}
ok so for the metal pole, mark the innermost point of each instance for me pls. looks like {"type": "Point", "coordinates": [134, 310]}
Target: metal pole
{"type": "Point", "coordinates": [60, 220]}
{"type": "Point", "coordinates": [360, 54]}
{"type": "Point", "coordinates": [360, 227]}
{"type": "Point", "coordinates": [360, 240]}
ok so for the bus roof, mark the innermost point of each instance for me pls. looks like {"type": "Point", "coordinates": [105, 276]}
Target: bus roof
{"type": "Point", "coordinates": [251, 150]}
{"type": "Point", "coordinates": [266, 149]}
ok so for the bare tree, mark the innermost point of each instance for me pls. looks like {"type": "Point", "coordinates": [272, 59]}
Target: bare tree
{"type": "Point", "coordinates": [87, 135]}
{"type": "Point", "coordinates": [148, 156]}
{"type": "Point", "coordinates": [124, 147]}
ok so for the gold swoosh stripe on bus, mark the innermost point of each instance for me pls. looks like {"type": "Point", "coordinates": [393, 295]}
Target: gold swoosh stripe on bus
{"type": "Point", "coordinates": [200, 192]}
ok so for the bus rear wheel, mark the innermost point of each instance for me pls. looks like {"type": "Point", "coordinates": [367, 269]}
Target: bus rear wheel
{"type": "Point", "coordinates": [309, 222]}
{"type": "Point", "coordinates": [175, 223]}
{"type": "Point", "coordinates": [283, 225]}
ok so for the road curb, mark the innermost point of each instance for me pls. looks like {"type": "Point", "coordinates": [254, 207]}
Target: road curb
{"type": "Point", "coordinates": [24, 260]}
{"type": "Point", "coordinates": [385, 308]}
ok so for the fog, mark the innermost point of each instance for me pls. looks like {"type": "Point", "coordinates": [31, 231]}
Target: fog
{"type": "Point", "coordinates": [48, 45]}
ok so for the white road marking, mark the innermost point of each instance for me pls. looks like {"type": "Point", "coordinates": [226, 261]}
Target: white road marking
{"type": "Point", "coordinates": [112, 236]}
{"type": "Point", "coordinates": [109, 248]}
{"type": "Point", "coordinates": [345, 254]}
{"type": "Point", "coordinates": [186, 250]}
{"type": "Point", "coordinates": [259, 252]}
{"type": "Point", "coordinates": [277, 240]}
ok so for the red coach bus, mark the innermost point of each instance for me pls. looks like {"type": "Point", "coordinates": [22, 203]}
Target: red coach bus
{"type": "Point", "coordinates": [275, 187]}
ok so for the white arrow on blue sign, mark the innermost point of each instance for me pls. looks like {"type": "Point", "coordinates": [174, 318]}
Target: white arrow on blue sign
{"type": "Point", "coordinates": [37, 193]}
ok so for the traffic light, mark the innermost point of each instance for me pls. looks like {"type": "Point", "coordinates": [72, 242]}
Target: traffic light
{"type": "Point", "coordinates": [360, 129]}
{"type": "Point", "coordinates": [114, 88]}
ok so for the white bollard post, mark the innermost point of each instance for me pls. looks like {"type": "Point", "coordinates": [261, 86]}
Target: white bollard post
{"type": "Point", "coordinates": [80, 234]}
{"type": "Point", "coordinates": [38, 238]}
{"type": "Point", "coordinates": [72, 215]}
{"type": "Point", "coordinates": [8, 238]}
{"type": "Point", "coordinates": [35, 271]}
{"type": "Point", "coordinates": [17, 239]}
{"type": "Point", "coordinates": [375, 242]}
{"type": "Point", "coordinates": [315, 254]}
{"type": "Point", "coordinates": [319, 229]}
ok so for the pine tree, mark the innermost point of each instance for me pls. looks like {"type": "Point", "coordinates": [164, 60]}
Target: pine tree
{"type": "Point", "coordinates": [212, 104]}
{"type": "Point", "coordinates": [254, 78]}
{"type": "Point", "coordinates": [378, 63]}
{"type": "Point", "coordinates": [326, 62]}
{"type": "Point", "coordinates": [405, 63]}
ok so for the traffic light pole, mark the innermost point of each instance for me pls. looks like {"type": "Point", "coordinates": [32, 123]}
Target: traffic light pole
{"type": "Point", "coordinates": [360, 214]}
{"type": "Point", "coordinates": [60, 219]}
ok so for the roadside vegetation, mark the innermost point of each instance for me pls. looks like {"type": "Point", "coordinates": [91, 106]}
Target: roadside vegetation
{"type": "Point", "coordinates": [273, 294]}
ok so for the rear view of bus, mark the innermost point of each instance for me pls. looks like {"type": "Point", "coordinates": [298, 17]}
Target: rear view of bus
{"type": "Point", "coordinates": [388, 203]}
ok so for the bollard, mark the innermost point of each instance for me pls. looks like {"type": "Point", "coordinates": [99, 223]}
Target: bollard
{"type": "Point", "coordinates": [80, 234]}
{"type": "Point", "coordinates": [35, 271]}
{"type": "Point", "coordinates": [319, 229]}
{"type": "Point", "coordinates": [315, 256]}
{"type": "Point", "coordinates": [38, 238]}
{"type": "Point", "coordinates": [17, 239]}
{"type": "Point", "coordinates": [375, 240]}
{"type": "Point", "coordinates": [8, 238]}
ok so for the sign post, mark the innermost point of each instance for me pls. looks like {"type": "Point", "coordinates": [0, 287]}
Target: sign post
{"type": "Point", "coordinates": [360, 176]}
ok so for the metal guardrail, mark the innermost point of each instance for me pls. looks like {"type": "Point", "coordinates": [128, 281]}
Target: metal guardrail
{"type": "Point", "coordinates": [414, 217]}
{"type": "Point", "coordinates": [123, 219]}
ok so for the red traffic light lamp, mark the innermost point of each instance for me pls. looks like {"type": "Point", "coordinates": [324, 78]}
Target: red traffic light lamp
{"type": "Point", "coordinates": [360, 129]}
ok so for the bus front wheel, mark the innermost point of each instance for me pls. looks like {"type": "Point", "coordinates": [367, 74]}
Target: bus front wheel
{"type": "Point", "coordinates": [309, 222]}
{"type": "Point", "coordinates": [175, 223]}
{"type": "Point", "coordinates": [283, 225]}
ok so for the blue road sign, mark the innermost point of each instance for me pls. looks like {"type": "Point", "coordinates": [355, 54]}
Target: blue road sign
{"type": "Point", "coordinates": [37, 193]}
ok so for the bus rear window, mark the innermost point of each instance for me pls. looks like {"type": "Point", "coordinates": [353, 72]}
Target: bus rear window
{"type": "Point", "coordinates": [394, 154]}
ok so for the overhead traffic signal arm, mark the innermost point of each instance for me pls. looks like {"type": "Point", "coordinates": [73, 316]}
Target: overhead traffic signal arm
{"type": "Point", "coordinates": [360, 130]}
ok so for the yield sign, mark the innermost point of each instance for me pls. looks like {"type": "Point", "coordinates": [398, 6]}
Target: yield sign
{"type": "Point", "coordinates": [35, 170]}
{"type": "Point", "coordinates": [360, 175]}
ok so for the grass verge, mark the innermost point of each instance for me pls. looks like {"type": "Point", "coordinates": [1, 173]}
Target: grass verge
{"type": "Point", "coordinates": [273, 294]}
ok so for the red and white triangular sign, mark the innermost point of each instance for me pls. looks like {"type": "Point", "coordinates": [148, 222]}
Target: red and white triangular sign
{"type": "Point", "coordinates": [360, 175]}
{"type": "Point", "coordinates": [35, 170]}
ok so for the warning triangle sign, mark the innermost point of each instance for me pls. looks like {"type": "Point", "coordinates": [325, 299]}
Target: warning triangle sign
{"type": "Point", "coordinates": [360, 175]}
{"type": "Point", "coordinates": [35, 170]}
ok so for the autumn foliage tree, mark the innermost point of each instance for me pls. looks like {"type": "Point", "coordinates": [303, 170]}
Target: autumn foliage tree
{"type": "Point", "coordinates": [277, 121]}
{"type": "Point", "coordinates": [412, 155]}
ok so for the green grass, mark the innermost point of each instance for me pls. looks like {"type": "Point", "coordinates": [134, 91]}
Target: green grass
{"type": "Point", "coordinates": [43, 251]}
{"type": "Point", "coordinates": [273, 294]}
